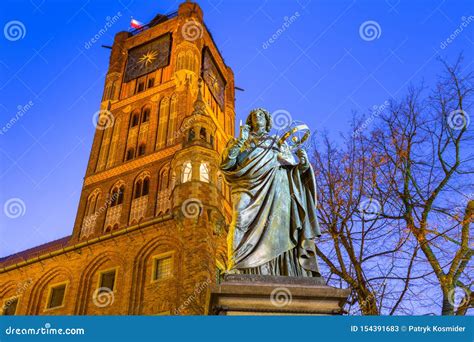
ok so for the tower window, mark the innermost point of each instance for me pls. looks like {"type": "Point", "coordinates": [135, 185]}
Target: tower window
{"type": "Point", "coordinates": [146, 115]}
{"type": "Point", "coordinates": [56, 297]}
{"type": "Point", "coordinates": [130, 154]}
{"type": "Point", "coordinates": [9, 309]}
{"type": "Point", "coordinates": [117, 196]}
{"type": "Point", "coordinates": [151, 82]}
{"type": "Point", "coordinates": [120, 195]}
{"type": "Point", "coordinates": [138, 189]}
{"type": "Point", "coordinates": [204, 172]}
{"type": "Point", "coordinates": [163, 267]}
{"type": "Point", "coordinates": [134, 120]}
{"type": "Point", "coordinates": [141, 87]}
{"type": "Point", "coordinates": [141, 149]}
{"type": "Point", "coordinates": [142, 188]}
{"type": "Point", "coordinates": [202, 134]}
{"type": "Point", "coordinates": [107, 281]}
{"type": "Point", "coordinates": [146, 187]}
{"type": "Point", "coordinates": [187, 172]}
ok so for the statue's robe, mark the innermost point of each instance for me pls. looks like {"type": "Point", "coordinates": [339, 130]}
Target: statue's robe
{"type": "Point", "coordinates": [274, 220]}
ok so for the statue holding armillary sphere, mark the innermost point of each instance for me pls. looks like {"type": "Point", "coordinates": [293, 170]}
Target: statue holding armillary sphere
{"type": "Point", "coordinates": [274, 221]}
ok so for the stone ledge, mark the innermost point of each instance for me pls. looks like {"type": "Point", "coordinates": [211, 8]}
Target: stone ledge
{"type": "Point", "coordinates": [273, 295]}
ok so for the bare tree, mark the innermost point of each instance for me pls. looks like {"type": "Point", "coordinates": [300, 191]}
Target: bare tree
{"type": "Point", "coordinates": [397, 205]}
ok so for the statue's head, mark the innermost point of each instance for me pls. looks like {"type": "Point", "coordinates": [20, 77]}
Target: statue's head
{"type": "Point", "coordinates": [259, 118]}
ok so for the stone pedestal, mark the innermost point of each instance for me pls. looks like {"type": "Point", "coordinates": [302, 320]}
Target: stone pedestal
{"type": "Point", "coordinates": [274, 295]}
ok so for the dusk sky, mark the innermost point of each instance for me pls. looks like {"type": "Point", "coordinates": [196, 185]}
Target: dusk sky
{"type": "Point", "coordinates": [319, 67]}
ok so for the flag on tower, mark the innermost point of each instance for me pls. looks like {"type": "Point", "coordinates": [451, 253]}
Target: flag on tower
{"type": "Point", "coordinates": [136, 24]}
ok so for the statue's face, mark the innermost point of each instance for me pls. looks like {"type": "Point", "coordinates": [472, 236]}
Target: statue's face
{"type": "Point", "coordinates": [258, 120]}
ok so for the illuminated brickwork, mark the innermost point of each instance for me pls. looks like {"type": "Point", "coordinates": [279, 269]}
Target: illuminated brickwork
{"type": "Point", "coordinates": [153, 212]}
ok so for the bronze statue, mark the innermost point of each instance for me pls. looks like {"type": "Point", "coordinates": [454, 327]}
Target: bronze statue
{"type": "Point", "coordinates": [274, 196]}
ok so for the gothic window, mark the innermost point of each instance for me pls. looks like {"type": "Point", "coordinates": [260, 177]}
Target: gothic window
{"type": "Point", "coordinates": [151, 82]}
{"type": "Point", "coordinates": [204, 172]}
{"type": "Point", "coordinates": [162, 267]}
{"type": "Point", "coordinates": [146, 187]}
{"type": "Point", "coordinates": [141, 150]}
{"type": "Point", "coordinates": [202, 133]}
{"type": "Point", "coordinates": [146, 115]}
{"type": "Point", "coordinates": [140, 87]}
{"type": "Point", "coordinates": [138, 189]}
{"type": "Point", "coordinates": [120, 195]}
{"type": "Point", "coordinates": [130, 154]}
{"type": "Point", "coordinates": [92, 202]}
{"type": "Point", "coordinates": [191, 135]}
{"type": "Point", "coordinates": [142, 187]}
{"type": "Point", "coordinates": [134, 121]}
{"type": "Point", "coordinates": [107, 281]}
{"type": "Point", "coordinates": [56, 296]}
{"type": "Point", "coordinates": [187, 172]}
{"type": "Point", "coordinates": [164, 179]}
{"type": "Point", "coordinates": [116, 196]}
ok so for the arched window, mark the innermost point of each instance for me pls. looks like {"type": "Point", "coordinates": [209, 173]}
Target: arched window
{"type": "Point", "coordinates": [191, 135]}
{"type": "Point", "coordinates": [163, 180]}
{"type": "Point", "coordinates": [120, 194]}
{"type": "Point", "coordinates": [91, 207]}
{"type": "Point", "coordinates": [202, 133]}
{"type": "Point", "coordinates": [146, 187]}
{"type": "Point", "coordinates": [146, 115]}
{"type": "Point", "coordinates": [187, 172]}
{"type": "Point", "coordinates": [204, 172]}
{"type": "Point", "coordinates": [134, 121]}
{"type": "Point", "coordinates": [130, 154]}
{"type": "Point", "coordinates": [138, 189]}
{"type": "Point", "coordinates": [116, 196]}
{"type": "Point", "coordinates": [141, 149]}
{"type": "Point", "coordinates": [142, 186]}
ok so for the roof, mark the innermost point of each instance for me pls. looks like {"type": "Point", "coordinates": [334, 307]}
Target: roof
{"type": "Point", "coordinates": [35, 251]}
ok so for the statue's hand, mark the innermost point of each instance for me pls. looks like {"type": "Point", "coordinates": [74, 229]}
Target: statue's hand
{"type": "Point", "coordinates": [303, 156]}
{"type": "Point", "coordinates": [244, 132]}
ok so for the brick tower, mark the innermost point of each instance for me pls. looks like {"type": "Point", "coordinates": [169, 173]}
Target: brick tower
{"type": "Point", "coordinates": [150, 231]}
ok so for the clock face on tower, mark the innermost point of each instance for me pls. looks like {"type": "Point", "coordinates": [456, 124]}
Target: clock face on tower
{"type": "Point", "coordinates": [148, 57]}
{"type": "Point", "coordinates": [213, 77]}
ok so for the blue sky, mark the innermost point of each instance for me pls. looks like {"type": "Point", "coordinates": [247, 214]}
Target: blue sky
{"type": "Point", "coordinates": [320, 69]}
